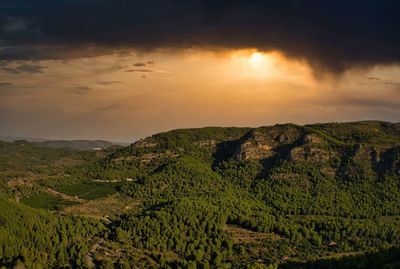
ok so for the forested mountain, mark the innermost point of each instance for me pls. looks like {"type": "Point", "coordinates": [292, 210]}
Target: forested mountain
{"type": "Point", "coordinates": [72, 144]}
{"type": "Point", "coordinates": [287, 196]}
{"type": "Point", "coordinates": [39, 239]}
{"type": "Point", "coordinates": [26, 156]}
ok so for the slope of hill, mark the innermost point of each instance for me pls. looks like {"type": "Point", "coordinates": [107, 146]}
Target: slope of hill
{"type": "Point", "coordinates": [39, 239]}
{"type": "Point", "coordinates": [27, 156]}
{"type": "Point", "coordinates": [285, 196]}
{"type": "Point", "coordinates": [322, 189]}
{"type": "Point", "coordinates": [75, 144]}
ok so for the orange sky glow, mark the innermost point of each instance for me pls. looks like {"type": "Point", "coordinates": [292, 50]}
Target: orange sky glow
{"type": "Point", "coordinates": [125, 97]}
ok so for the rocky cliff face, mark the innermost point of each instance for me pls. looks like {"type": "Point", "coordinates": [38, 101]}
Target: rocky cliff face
{"type": "Point", "coordinates": [312, 148]}
{"type": "Point", "coordinates": [254, 147]}
{"type": "Point", "coordinates": [343, 149]}
{"type": "Point", "coordinates": [364, 152]}
{"type": "Point", "coordinates": [265, 142]}
{"type": "Point", "coordinates": [298, 144]}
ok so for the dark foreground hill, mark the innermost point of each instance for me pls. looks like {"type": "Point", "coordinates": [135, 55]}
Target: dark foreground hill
{"type": "Point", "coordinates": [290, 196]}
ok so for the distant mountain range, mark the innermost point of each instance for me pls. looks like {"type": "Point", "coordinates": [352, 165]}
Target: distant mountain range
{"type": "Point", "coordinates": [7, 138]}
{"type": "Point", "coordinates": [74, 144]}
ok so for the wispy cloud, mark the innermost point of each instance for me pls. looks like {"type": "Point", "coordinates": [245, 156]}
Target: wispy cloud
{"type": "Point", "coordinates": [10, 89]}
{"type": "Point", "coordinates": [82, 87]}
{"type": "Point", "coordinates": [139, 70]}
{"type": "Point", "coordinates": [6, 84]}
{"type": "Point", "coordinates": [79, 90]}
{"type": "Point", "coordinates": [373, 78]}
{"type": "Point", "coordinates": [108, 82]}
{"type": "Point", "coordinates": [25, 68]}
{"type": "Point", "coordinates": [384, 81]}
{"type": "Point", "coordinates": [107, 108]}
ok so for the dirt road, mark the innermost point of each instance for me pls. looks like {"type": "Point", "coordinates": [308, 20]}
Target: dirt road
{"type": "Point", "coordinates": [89, 257]}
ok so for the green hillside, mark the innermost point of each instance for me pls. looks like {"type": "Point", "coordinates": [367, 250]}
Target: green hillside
{"type": "Point", "coordinates": [38, 239]}
{"type": "Point", "coordinates": [287, 196]}
{"type": "Point", "coordinates": [75, 144]}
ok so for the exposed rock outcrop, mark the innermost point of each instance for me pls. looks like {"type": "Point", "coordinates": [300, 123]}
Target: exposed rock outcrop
{"type": "Point", "coordinates": [311, 149]}
{"type": "Point", "coordinates": [312, 139]}
{"type": "Point", "coordinates": [206, 143]}
{"type": "Point", "coordinates": [249, 150]}
{"type": "Point", "coordinates": [364, 152]}
{"type": "Point", "coordinates": [312, 154]}
{"type": "Point", "coordinates": [263, 142]}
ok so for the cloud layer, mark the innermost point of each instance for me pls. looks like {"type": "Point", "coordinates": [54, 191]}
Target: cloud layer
{"type": "Point", "coordinates": [330, 35]}
{"type": "Point", "coordinates": [25, 68]}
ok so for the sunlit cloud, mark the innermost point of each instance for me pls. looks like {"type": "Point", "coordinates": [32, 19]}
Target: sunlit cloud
{"type": "Point", "coordinates": [191, 88]}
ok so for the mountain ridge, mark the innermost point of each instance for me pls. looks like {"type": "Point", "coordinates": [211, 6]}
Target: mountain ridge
{"type": "Point", "coordinates": [82, 144]}
{"type": "Point", "coordinates": [281, 196]}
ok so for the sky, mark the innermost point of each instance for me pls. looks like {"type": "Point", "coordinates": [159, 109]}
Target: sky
{"type": "Point", "coordinates": [124, 70]}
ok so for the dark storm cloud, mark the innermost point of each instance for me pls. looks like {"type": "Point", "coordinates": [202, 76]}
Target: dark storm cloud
{"type": "Point", "coordinates": [331, 35]}
{"type": "Point", "coordinates": [139, 64]}
{"type": "Point", "coordinates": [20, 53]}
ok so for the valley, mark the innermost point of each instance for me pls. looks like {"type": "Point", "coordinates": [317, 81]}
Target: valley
{"type": "Point", "coordinates": [282, 196]}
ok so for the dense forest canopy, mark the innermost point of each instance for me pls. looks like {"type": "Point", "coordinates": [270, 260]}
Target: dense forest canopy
{"type": "Point", "coordinates": [283, 196]}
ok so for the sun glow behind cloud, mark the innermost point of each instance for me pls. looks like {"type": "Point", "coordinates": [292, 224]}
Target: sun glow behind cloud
{"type": "Point", "coordinates": [256, 59]}
{"type": "Point", "coordinates": [136, 95]}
